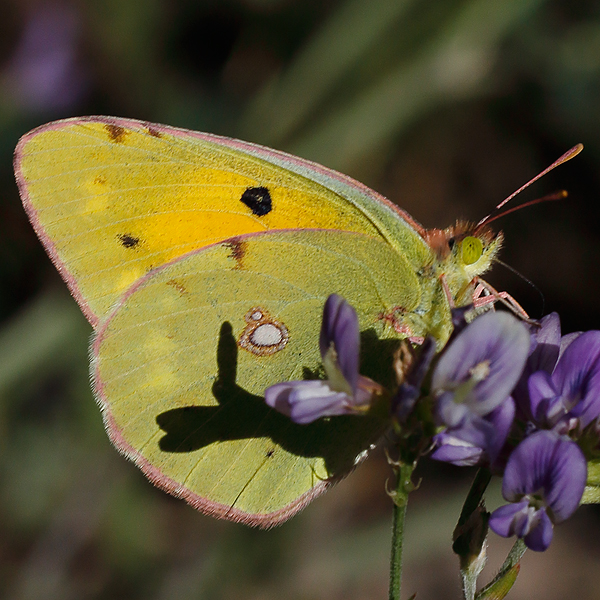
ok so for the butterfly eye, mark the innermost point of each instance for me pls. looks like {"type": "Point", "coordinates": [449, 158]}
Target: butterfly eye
{"type": "Point", "coordinates": [472, 249]}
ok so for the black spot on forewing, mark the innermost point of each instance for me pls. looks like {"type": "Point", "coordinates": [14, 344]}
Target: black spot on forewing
{"type": "Point", "coordinates": [127, 240]}
{"type": "Point", "coordinates": [116, 133]}
{"type": "Point", "coordinates": [258, 200]}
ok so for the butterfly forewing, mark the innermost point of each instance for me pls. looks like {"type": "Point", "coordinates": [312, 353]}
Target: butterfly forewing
{"type": "Point", "coordinates": [112, 199]}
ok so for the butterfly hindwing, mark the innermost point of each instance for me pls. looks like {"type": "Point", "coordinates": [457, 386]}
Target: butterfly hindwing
{"type": "Point", "coordinates": [182, 392]}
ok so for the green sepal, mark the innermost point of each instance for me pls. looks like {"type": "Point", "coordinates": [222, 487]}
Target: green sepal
{"type": "Point", "coordinates": [501, 586]}
{"type": "Point", "coordinates": [591, 494]}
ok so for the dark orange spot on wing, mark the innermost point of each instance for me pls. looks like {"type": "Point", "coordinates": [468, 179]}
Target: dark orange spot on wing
{"type": "Point", "coordinates": [238, 250]}
{"type": "Point", "coordinates": [153, 131]}
{"type": "Point", "coordinates": [178, 286]}
{"type": "Point", "coordinates": [116, 133]}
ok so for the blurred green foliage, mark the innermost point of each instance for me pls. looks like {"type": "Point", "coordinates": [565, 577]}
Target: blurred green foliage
{"type": "Point", "coordinates": [445, 106]}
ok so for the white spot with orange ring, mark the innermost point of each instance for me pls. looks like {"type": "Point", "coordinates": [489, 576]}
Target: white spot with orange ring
{"type": "Point", "coordinates": [263, 335]}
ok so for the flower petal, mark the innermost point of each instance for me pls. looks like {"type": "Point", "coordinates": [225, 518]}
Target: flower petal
{"type": "Point", "coordinates": [507, 519]}
{"type": "Point", "coordinates": [544, 399]}
{"type": "Point", "coordinates": [278, 397]}
{"type": "Point", "coordinates": [540, 534]}
{"type": "Point", "coordinates": [501, 420]}
{"type": "Point", "coordinates": [340, 327]}
{"type": "Point", "coordinates": [306, 401]}
{"type": "Point", "coordinates": [453, 450]}
{"type": "Point", "coordinates": [495, 339]}
{"type": "Point", "coordinates": [526, 468]}
{"type": "Point", "coordinates": [546, 345]}
{"type": "Point", "coordinates": [524, 521]}
{"type": "Point", "coordinates": [450, 413]}
{"type": "Point", "coordinates": [566, 480]}
{"type": "Point", "coordinates": [577, 377]}
{"type": "Point", "coordinates": [477, 440]}
{"type": "Point", "coordinates": [543, 354]}
{"type": "Point", "coordinates": [567, 340]}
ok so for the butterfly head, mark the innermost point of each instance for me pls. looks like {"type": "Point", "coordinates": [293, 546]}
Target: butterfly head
{"type": "Point", "coordinates": [470, 248]}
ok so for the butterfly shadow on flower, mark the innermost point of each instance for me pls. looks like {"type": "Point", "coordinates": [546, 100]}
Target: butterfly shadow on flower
{"type": "Point", "coordinates": [242, 415]}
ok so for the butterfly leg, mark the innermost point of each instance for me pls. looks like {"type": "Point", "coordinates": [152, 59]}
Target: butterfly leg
{"type": "Point", "coordinates": [447, 292]}
{"type": "Point", "coordinates": [395, 319]}
{"type": "Point", "coordinates": [485, 294]}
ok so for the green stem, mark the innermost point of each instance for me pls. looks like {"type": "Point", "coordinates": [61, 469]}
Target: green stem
{"type": "Point", "coordinates": [514, 556]}
{"type": "Point", "coordinates": [400, 498]}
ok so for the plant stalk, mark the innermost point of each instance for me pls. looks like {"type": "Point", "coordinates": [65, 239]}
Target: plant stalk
{"type": "Point", "coordinates": [400, 497]}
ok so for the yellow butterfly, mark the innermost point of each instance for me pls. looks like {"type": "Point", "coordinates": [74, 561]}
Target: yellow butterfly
{"type": "Point", "coordinates": [203, 264]}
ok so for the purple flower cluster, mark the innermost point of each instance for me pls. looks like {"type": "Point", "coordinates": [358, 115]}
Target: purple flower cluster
{"type": "Point", "coordinates": [514, 400]}
{"type": "Point", "coordinates": [542, 392]}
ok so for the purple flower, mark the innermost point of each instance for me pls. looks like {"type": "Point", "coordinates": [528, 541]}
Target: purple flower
{"type": "Point", "coordinates": [544, 480]}
{"type": "Point", "coordinates": [44, 72]}
{"type": "Point", "coordinates": [477, 442]}
{"type": "Point", "coordinates": [472, 383]}
{"type": "Point", "coordinates": [344, 391]}
{"type": "Point", "coordinates": [560, 385]}
{"type": "Point", "coordinates": [480, 368]}
{"type": "Point", "coordinates": [545, 345]}
{"type": "Point", "coordinates": [568, 397]}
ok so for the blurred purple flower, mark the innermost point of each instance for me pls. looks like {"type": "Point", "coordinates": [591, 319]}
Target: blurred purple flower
{"type": "Point", "coordinates": [545, 345]}
{"type": "Point", "coordinates": [43, 73]}
{"type": "Point", "coordinates": [344, 391]}
{"type": "Point", "coordinates": [568, 397]}
{"type": "Point", "coordinates": [544, 480]}
{"type": "Point", "coordinates": [480, 368]}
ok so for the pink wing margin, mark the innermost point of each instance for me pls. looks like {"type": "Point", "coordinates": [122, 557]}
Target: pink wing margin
{"type": "Point", "coordinates": [267, 154]}
{"type": "Point", "coordinates": [32, 213]}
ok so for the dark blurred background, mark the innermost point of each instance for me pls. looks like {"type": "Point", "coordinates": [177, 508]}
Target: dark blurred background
{"type": "Point", "coordinates": [444, 106]}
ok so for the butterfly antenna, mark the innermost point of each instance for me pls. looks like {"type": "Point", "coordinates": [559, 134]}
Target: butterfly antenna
{"type": "Point", "coordinates": [525, 279]}
{"type": "Point", "coordinates": [574, 151]}
{"type": "Point", "coordinates": [560, 195]}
